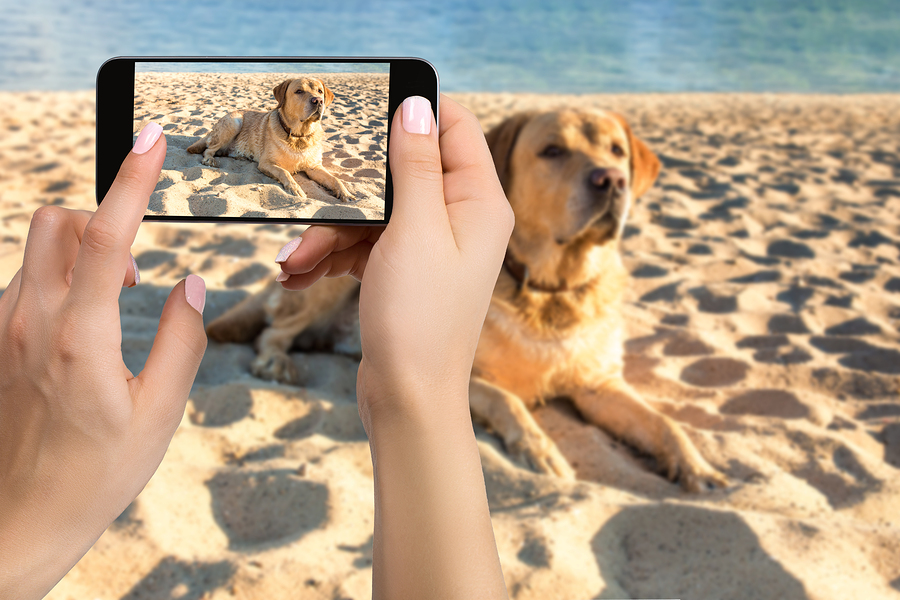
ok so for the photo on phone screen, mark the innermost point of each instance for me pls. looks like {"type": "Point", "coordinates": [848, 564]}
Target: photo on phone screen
{"type": "Point", "coordinates": [268, 140]}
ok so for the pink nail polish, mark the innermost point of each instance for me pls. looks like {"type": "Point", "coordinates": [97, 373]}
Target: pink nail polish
{"type": "Point", "coordinates": [416, 116]}
{"type": "Point", "coordinates": [282, 276]}
{"type": "Point", "coordinates": [288, 249]}
{"type": "Point", "coordinates": [195, 292]}
{"type": "Point", "coordinates": [137, 272]}
{"type": "Point", "coordinates": [147, 138]}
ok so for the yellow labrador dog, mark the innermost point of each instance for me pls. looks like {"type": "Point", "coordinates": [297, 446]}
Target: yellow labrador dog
{"type": "Point", "coordinates": [554, 327]}
{"type": "Point", "coordinates": [283, 141]}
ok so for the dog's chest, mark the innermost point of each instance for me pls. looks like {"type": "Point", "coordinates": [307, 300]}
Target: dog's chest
{"type": "Point", "coordinates": [301, 154]}
{"type": "Point", "coordinates": [537, 362]}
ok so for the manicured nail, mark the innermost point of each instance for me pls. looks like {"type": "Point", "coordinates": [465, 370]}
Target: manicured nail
{"type": "Point", "coordinates": [147, 138]}
{"type": "Point", "coordinates": [195, 292]}
{"type": "Point", "coordinates": [288, 249]}
{"type": "Point", "coordinates": [137, 272]}
{"type": "Point", "coordinates": [416, 115]}
{"type": "Point", "coordinates": [282, 276]}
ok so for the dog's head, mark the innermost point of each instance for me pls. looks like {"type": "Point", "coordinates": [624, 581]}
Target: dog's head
{"type": "Point", "coordinates": [570, 177]}
{"type": "Point", "coordinates": [302, 100]}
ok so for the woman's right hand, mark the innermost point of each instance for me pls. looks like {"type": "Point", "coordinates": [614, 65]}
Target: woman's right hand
{"type": "Point", "coordinates": [427, 280]}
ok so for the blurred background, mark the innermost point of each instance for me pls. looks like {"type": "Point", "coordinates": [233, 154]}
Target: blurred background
{"type": "Point", "coordinates": [567, 46]}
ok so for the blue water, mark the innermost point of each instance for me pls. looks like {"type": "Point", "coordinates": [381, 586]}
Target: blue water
{"type": "Point", "coordinates": [570, 46]}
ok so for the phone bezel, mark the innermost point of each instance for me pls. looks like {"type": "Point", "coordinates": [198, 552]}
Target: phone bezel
{"type": "Point", "coordinates": [115, 118]}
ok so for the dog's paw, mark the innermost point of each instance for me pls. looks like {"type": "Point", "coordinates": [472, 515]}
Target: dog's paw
{"type": "Point", "coordinates": [702, 481]}
{"type": "Point", "coordinates": [340, 192]}
{"type": "Point", "coordinates": [210, 162]}
{"type": "Point", "coordinates": [276, 366]}
{"type": "Point", "coordinates": [542, 455]}
{"type": "Point", "coordinates": [294, 189]}
{"type": "Point", "coordinates": [696, 475]}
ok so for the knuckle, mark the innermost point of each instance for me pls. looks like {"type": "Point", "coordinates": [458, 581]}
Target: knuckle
{"type": "Point", "coordinates": [193, 343]}
{"type": "Point", "coordinates": [101, 235]}
{"type": "Point", "coordinates": [18, 331]}
{"type": "Point", "coordinates": [47, 217]}
{"type": "Point", "coordinates": [422, 167]}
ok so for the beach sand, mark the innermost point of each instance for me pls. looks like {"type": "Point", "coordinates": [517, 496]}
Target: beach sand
{"type": "Point", "coordinates": [763, 316]}
{"type": "Point", "coordinates": [187, 105]}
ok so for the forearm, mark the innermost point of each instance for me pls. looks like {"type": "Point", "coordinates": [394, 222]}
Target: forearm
{"type": "Point", "coordinates": [433, 535]}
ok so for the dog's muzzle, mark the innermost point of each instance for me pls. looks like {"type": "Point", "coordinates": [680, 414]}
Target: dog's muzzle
{"type": "Point", "coordinates": [608, 191]}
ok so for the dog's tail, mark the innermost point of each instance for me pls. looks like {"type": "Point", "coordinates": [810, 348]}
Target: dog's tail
{"type": "Point", "coordinates": [198, 147]}
{"type": "Point", "coordinates": [243, 322]}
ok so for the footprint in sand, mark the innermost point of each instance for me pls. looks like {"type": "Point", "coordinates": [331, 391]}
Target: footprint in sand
{"type": "Point", "coordinates": [187, 580]}
{"type": "Point", "coordinates": [766, 403]}
{"type": "Point", "coordinates": [220, 406]}
{"type": "Point", "coordinates": [264, 507]}
{"type": "Point", "coordinates": [715, 372]}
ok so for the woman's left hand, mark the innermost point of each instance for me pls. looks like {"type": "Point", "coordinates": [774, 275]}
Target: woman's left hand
{"type": "Point", "coordinates": [80, 435]}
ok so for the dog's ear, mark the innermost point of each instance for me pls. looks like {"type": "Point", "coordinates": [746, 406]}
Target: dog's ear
{"type": "Point", "coordinates": [644, 164]}
{"type": "Point", "coordinates": [329, 95]}
{"type": "Point", "coordinates": [280, 91]}
{"type": "Point", "coordinates": [502, 139]}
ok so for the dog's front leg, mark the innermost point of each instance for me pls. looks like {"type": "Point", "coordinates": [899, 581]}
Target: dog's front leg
{"type": "Point", "coordinates": [507, 415]}
{"type": "Point", "coordinates": [618, 409]}
{"type": "Point", "coordinates": [329, 182]}
{"type": "Point", "coordinates": [284, 176]}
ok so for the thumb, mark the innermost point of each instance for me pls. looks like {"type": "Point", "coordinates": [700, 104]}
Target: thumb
{"type": "Point", "coordinates": [415, 161]}
{"type": "Point", "coordinates": [175, 357]}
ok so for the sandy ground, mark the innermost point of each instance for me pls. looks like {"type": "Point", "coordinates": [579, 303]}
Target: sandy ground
{"type": "Point", "coordinates": [763, 317]}
{"type": "Point", "coordinates": [187, 105]}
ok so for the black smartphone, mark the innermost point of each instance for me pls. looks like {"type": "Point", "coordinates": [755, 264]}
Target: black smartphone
{"type": "Point", "coordinates": [261, 139]}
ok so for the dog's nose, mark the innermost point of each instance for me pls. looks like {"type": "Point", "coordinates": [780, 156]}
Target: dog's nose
{"type": "Point", "coordinates": [606, 180]}
{"type": "Point", "coordinates": [316, 101]}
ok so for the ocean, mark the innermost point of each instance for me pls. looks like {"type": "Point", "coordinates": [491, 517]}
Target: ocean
{"type": "Point", "coordinates": [568, 46]}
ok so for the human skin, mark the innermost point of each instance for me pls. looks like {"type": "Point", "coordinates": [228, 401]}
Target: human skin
{"type": "Point", "coordinates": [426, 285]}
{"type": "Point", "coordinates": [80, 435]}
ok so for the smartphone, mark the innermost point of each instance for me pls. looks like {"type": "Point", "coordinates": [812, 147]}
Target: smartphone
{"type": "Point", "coordinates": [261, 139]}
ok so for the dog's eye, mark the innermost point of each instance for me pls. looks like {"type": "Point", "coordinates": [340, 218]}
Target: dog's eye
{"type": "Point", "coordinates": [552, 151]}
{"type": "Point", "coordinates": [617, 150]}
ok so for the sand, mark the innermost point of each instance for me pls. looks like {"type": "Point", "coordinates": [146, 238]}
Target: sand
{"type": "Point", "coordinates": [187, 105]}
{"type": "Point", "coordinates": [763, 316]}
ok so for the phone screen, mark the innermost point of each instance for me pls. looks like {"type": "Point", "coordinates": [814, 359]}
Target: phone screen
{"type": "Point", "coordinates": [267, 140]}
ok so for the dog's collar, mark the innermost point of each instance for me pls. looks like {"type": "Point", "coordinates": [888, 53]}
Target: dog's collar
{"type": "Point", "coordinates": [519, 272]}
{"type": "Point", "coordinates": [284, 126]}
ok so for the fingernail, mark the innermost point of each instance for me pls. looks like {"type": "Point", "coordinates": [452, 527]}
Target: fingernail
{"type": "Point", "coordinates": [288, 249]}
{"type": "Point", "coordinates": [195, 292]}
{"type": "Point", "coordinates": [137, 272]}
{"type": "Point", "coordinates": [282, 276]}
{"type": "Point", "coordinates": [416, 115]}
{"type": "Point", "coordinates": [147, 138]}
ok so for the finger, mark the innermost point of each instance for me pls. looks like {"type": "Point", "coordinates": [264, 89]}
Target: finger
{"type": "Point", "coordinates": [103, 256]}
{"type": "Point", "coordinates": [479, 212]}
{"type": "Point", "coordinates": [301, 255]}
{"type": "Point", "coordinates": [415, 162]}
{"type": "Point", "coordinates": [351, 261]}
{"type": "Point", "coordinates": [54, 237]}
{"type": "Point", "coordinates": [164, 384]}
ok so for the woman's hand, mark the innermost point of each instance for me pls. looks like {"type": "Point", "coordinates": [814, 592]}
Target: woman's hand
{"type": "Point", "coordinates": [427, 277]}
{"type": "Point", "coordinates": [427, 280]}
{"type": "Point", "coordinates": [80, 435]}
